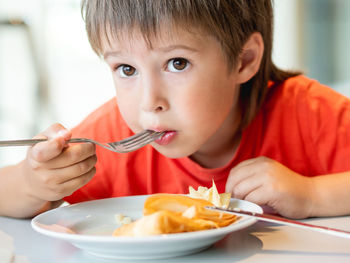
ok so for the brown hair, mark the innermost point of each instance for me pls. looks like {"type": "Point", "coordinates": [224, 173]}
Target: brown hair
{"type": "Point", "coordinates": [231, 22]}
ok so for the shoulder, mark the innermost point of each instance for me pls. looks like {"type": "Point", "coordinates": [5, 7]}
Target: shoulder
{"type": "Point", "coordinates": [304, 125]}
{"type": "Point", "coordinates": [103, 123]}
{"type": "Point", "coordinates": [303, 106]}
{"type": "Point", "coordinates": [305, 94]}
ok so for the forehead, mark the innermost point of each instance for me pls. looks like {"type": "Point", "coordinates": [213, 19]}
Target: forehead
{"type": "Point", "coordinates": [164, 37]}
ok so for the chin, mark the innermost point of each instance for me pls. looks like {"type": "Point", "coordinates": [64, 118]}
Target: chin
{"type": "Point", "coordinates": [173, 153]}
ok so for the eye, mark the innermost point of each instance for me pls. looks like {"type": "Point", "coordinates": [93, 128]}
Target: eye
{"type": "Point", "coordinates": [177, 64]}
{"type": "Point", "coordinates": [126, 71]}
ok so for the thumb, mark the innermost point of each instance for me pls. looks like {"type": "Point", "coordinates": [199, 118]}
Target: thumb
{"type": "Point", "coordinates": [57, 137]}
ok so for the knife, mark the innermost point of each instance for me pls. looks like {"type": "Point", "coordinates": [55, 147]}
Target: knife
{"type": "Point", "coordinates": [283, 221]}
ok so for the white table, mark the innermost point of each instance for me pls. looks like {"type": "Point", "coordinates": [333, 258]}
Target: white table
{"type": "Point", "coordinates": [261, 242]}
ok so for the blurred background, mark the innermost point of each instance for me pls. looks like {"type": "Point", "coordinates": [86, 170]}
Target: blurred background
{"type": "Point", "coordinates": [49, 73]}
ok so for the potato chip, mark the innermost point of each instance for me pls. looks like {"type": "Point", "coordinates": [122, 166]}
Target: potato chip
{"type": "Point", "coordinates": [225, 199]}
{"type": "Point", "coordinates": [212, 195]}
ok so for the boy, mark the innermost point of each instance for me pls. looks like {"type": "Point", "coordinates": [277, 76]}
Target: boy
{"type": "Point", "coordinates": [202, 72]}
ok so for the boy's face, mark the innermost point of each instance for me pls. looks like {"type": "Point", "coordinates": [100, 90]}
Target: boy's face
{"type": "Point", "coordinates": [181, 84]}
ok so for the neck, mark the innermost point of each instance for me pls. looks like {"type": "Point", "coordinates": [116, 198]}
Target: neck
{"type": "Point", "coordinates": [219, 156]}
{"type": "Point", "coordinates": [222, 146]}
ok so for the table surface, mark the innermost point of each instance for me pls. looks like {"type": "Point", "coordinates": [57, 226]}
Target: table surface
{"type": "Point", "coordinates": [261, 242]}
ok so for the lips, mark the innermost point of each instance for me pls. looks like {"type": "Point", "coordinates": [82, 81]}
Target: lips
{"type": "Point", "coordinates": [166, 138]}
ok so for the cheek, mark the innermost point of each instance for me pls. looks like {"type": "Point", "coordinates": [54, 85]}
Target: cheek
{"type": "Point", "coordinates": [200, 118]}
{"type": "Point", "coordinates": [128, 110]}
{"type": "Point", "coordinates": [211, 105]}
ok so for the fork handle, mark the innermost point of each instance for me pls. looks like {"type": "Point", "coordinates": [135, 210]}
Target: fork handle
{"type": "Point", "coordinates": [21, 142]}
{"type": "Point", "coordinates": [31, 142]}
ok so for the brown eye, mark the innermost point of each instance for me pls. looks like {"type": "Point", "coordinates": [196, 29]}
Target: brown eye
{"type": "Point", "coordinates": [177, 64]}
{"type": "Point", "coordinates": [126, 71]}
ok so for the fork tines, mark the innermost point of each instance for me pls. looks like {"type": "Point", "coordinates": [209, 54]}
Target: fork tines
{"type": "Point", "coordinates": [136, 141]}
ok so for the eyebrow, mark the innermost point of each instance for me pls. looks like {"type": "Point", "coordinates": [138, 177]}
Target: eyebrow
{"type": "Point", "coordinates": [111, 54]}
{"type": "Point", "coordinates": [162, 49]}
{"type": "Point", "coordinates": [172, 47]}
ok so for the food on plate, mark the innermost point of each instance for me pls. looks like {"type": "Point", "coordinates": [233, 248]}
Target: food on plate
{"type": "Point", "coordinates": [122, 219]}
{"type": "Point", "coordinates": [162, 222]}
{"type": "Point", "coordinates": [57, 228]}
{"type": "Point", "coordinates": [212, 195]}
{"type": "Point", "coordinates": [173, 213]}
{"type": "Point", "coordinates": [188, 207]}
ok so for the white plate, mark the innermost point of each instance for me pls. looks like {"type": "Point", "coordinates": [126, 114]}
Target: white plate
{"type": "Point", "coordinates": [94, 222]}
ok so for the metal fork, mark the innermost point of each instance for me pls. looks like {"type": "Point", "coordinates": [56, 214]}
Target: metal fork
{"type": "Point", "coordinates": [129, 144]}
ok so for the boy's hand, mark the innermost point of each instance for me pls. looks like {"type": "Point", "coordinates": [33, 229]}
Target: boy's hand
{"type": "Point", "coordinates": [53, 169]}
{"type": "Point", "coordinates": [267, 182]}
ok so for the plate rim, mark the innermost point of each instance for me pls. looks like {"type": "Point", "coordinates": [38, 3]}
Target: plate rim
{"type": "Point", "coordinates": [174, 237]}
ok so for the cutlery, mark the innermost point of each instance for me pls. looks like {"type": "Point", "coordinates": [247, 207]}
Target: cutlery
{"type": "Point", "coordinates": [283, 221]}
{"type": "Point", "coordinates": [129, 144]}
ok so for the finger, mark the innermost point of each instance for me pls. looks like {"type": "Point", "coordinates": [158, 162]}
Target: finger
{"type": "Point", "coordinates": [260, 159]}
{"type": "Point", "coordinates": [71, 155]}
{"type": "Point", "coordinates": [47, 150]}
{"type": "Point", "coordinates": [245, 163]}
{"type": "Point", "coordinates": [237, 175]}
{"type": "Point", "coordinates": [57, 136]}
{"type": "Point", "coordinates": [56, 130]}
{"type": "Point", "coordinates": [243, 170]}
{"type": "Point", "coordinates": [259, 196]}
{"type": "Point", "coordinates": [246, 186]}
{"type": "Point", "coordinates": [68, 173]}
{"type": "Point", "coordinates": [68, 187]}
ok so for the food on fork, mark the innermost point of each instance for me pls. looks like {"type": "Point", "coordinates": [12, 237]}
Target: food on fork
{"type": "Point", "coordinates": [173, 213]}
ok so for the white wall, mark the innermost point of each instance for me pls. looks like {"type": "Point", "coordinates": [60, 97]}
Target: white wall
{"type": "Point", "coordinates": [77, 80]}
{"type": "Point", "coordinates": [286, 50]}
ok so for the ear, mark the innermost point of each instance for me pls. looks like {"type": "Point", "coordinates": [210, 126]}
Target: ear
{"type": "Point", "coordinates": [250, 58]}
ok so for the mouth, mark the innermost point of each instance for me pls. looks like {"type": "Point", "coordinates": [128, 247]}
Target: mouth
{"type": "Point", "coordinates": [166, 138]}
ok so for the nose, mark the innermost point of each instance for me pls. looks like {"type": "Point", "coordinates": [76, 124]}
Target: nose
{"type": "Point", "coordinates": [154, 95]}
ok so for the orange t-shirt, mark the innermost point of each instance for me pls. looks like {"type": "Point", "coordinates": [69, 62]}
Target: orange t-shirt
{"type": "Point", "coordinates": [302, 124]}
